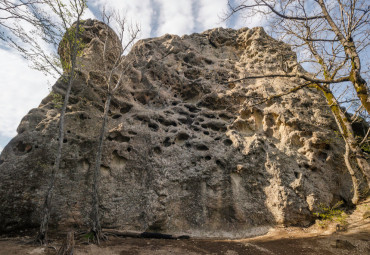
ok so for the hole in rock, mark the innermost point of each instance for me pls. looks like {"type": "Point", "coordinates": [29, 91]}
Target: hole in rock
{"type": "Point", "coordinates": [167, 122]}
{"type": "Point", "coordinates": [144, 98]}
{"type": "Point", "coordinates": [129, 149]}
{"type": "Point", "coordinates": [215, 126]}
{"type": "Point", "coordinates": [157, 150]}
{"type": "Point", "coordinates": [125, 108]}
{"type": "Point", "coordinates": [182, 137]}
{"type": "Point", "coordinates": [225, 117]}
{"type": "Point", "coordinates": [296, 174]}
{"type": "Point", "coordinates": [322, 156]}
{"type": "Point", "coordinates": [208, 61]}
{"type": "Point", "coordinates": [314, 168]}
{"type": "Point", "coordinates": [114, 103]}
{"type": "Point", "coordinates": [132, 132]}
{"type": "Point", "coordinates": [68, 131]}
{"type": "Point", "coordinates": [118, 137]}
{"type": "Point", "coordinates": [206, 132]}
{"type": "Point", "coordinates": [202, 147]}
{"type": "Point", "coordinates": [208, 158]}
{"type": "Point", "coordinates": [183, 120]}
{"type": "Point", "coordinates": [192, 108]}
{"type": "Point", "coordinates": [220, 163]}
{"type": "Point", "coordinates": [65, 140]}
{"type": "Point", "coordinates": [83, 116]}
{"type": "Point", "coordinates": [73, 100]}
{"type": "Point", "coordinates": [153, 126]}
{"type": "Point", "coordinates": [142, 118]}
{"type": "Point", "coordinates": [228, 142]}
{"type": "Point", "coordinates": [116, 116]}
{"type": "Point", "coordinates": [209, 115]}
{"type": "Point", "coordinates": [167, 142]}
{"type": "Point", "coordinates": [188, 145]}
{"type": "Point", "coordinates": [23, 147]}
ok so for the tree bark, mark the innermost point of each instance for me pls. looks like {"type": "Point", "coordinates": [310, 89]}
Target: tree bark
{"type": "Point", "coordinates": [351, 146]}
{"type": "Point", "coordinates": [95, 215]}
{"type": "Point", "coordinates": [68, 245]}
{"type": "Point", "coordinates": [42, 235]}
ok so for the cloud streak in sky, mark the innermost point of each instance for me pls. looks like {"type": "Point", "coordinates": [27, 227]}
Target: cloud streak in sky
{"type": "Point", "coordinates": [21, 90]}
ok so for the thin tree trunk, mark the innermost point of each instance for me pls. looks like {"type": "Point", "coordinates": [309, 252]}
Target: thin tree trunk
{"type": "Point", "coordinates": [355, 184]}
{"type": "Point", "coordinates": [42, 235]}
{"type": "Point", "coordinates": [68, 245]}
{"type": "Point", "coordinates": [96, 227]}
{"type": "Point", "coordinates": [351, 146]}
{"type": "Point", "coordinates": [362, 163]}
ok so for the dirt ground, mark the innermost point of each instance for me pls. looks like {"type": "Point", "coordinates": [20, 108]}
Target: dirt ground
{"type": "Point", "coordinates": [355, 239]}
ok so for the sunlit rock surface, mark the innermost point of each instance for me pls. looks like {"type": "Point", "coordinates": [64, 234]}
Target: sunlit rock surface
{"type": "Point", "coordinates": [187, 150]}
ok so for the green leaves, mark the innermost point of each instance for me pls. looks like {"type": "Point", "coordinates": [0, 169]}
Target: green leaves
{"type": "Point", "coordinates": [57, 100]}
{"type": "Point", "coordinates": [331, 214]}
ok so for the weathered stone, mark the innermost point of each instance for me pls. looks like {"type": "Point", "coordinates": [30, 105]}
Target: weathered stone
{"type": "Point", "coordinates": [343, 244]}
{"type": "Point", "coordinates": [187, 150]}
{"type": "Point", "coordinates": [366, 214]}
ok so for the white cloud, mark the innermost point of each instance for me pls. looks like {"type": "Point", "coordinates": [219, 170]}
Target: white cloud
{"type": "Point", "coordinates": [210, 13]}
{"type": "Point", "coordinates": [139, 12]}
{"type": "Point", "coordinates": [21, 89]}
{"type": "Point", "coordinates": [175, 17]}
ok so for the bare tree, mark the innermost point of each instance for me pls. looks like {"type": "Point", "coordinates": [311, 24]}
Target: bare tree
{"type": "Point", "coordinates": [29, 11]}
{"type": "Point", "coordinates": [115, 64]}
{"type": "Point", "coordinates": [331, 34]}
{"type": "Point", "coordinates": [47, 30]}
{"type": "Point", "coordinates": [72, 46]}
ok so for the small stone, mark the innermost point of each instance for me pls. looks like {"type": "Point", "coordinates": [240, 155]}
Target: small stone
{"type": "Point", "coordinates": [343, 244]}
{"type": "Point", "coordinates": [366, 214]}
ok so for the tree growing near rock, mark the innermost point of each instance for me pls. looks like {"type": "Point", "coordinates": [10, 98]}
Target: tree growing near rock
{"type": "Point", "coordinates": [112, 71]}
{"type": "Point", "coordinates": [330, 37]}
{"type": "Point", "coordinates": [70, 47]}
{"type": "Point", "coordinates": [52, 23]}
{"type": "Point", "coordinates": [54, 29]}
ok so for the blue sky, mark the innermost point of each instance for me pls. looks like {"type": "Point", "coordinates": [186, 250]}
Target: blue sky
{"type": "Point", "coordinates": [23, 88]}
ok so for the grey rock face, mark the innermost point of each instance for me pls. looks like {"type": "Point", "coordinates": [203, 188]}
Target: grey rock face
{"type": "Point", "coordinates": [186, 151]}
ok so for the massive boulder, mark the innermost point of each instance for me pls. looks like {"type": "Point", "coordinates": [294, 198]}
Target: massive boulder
{"type": "Point", "coordinates": [192, 146]}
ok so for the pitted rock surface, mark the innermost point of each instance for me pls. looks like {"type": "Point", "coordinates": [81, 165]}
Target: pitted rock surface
{"type": "Point", "coordinates": [189, 149]}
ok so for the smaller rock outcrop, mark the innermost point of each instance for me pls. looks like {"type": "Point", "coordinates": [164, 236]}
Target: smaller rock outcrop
{"type": "Point", "coordinates": [93, 36]}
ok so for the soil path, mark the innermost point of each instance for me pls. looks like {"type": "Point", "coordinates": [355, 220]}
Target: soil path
{"type": "Point", "coordinates": [355, 239]}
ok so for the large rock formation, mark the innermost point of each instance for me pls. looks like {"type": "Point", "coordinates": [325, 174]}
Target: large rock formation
{"type": "Point", "coordinates": [187, 150]}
